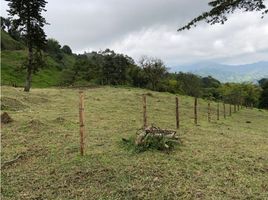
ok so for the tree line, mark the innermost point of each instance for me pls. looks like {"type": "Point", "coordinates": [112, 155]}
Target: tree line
{"type": "Point", "coordinates": [109, 68]}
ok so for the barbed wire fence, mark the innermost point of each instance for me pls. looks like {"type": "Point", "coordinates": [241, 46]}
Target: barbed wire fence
{"type": "Point", "coordinates": [209, 111]}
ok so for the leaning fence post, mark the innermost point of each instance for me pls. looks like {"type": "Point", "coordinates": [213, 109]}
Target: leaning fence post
{"type": "Point", "coordinates": [177, 113]}
{"type": "Point", "coordinates": [218, 111]}
{"type": "Point", "coordinates": [82, 122]}
{"type": "Point", "coordinates": [224, 111]}
{"type": "Point", "coordinates": [209, 117]}
{"type": "Point", "coordinates": [144, 111]}
{"type": "Point", "coordinates": [195, 110]}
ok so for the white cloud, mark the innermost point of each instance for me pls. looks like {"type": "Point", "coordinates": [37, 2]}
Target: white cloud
{"type": "Point", "coordinates": [244, 36]}
{"type": "Point", "coordinates": [149, 28]}
{"type": "Point", "coordinates": [218, 44]}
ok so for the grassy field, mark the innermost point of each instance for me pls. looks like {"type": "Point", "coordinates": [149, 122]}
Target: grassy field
{"type": "Point", "coordinates": [225, 159]}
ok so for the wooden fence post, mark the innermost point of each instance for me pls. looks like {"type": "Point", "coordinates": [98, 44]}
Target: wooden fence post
{"type": "Point", "coordinates": [177, 113]}
{"type": "Point", "coordinates": [209, 117]}
{"type": "Point", "coordinates": [82, 122]}
{"type": "Point", "coordinates": [224, 111]}
{"type": "Point", "coordinates": [238, 107]}
{"type": "Point", "coordinates": [195, 110]}
{"type": "Point", "coordinates": [144, 111]}
{"type": "Point", "coordinates": [230, 109]}
{"type": "Point", "coordinates": [218, 111]}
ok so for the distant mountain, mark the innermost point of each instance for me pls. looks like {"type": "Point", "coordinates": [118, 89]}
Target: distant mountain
{"type": "Point", "coordinates": [227, 73]}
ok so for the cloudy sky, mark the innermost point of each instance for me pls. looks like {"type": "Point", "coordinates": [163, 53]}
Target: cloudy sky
{"type": "Point", "coordinates": [148, 27]}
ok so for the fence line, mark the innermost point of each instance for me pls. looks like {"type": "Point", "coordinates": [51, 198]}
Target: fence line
{"type": "Point", "coordinates": [197, 112]}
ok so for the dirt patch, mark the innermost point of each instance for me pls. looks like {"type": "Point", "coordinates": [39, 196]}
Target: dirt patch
{"type": "Point", "coordinates": [11, 104]}
{"type": "Point", "coordinates": [5, 118]}
{"type": "Point", "coordinates": [35, 124]}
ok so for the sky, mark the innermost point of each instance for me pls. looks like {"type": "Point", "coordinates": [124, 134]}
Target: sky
{"type": "Point", "coordinates": [149, 27]}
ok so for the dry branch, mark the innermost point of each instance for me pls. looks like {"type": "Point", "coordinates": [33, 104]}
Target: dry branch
{"type": "Point", "coordinates": [10, 162]}
{"type": "Point", "coordinates": [154, 132]}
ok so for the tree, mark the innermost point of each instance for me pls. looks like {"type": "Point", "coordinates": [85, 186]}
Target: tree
{"type": "Point", "coordinates": [221, 8]}
{"type": "Point", "coordinates": [154, 69]}
{"type": "Point", "coordinates": [8, 24]}
{"type": "Point", "coordinates": [77, 72]}
{"type": "Point", "coordinates": [27, 16]}
{"type": "Point", "coordinates": [262, 82]}
{"type": "Point", "coordinates": [53, 47]}
{"type": "Point", "coordinates": [114, 67]}
{"type": "Point", "coordinates": [264, 94]}
{"type": "Point", "coordinates": [66, 49]}
{"type": "Point", "coordinates": [138, 76]}
{"type": "Point", "coordinates": [3, 26]}
{"type": "Point", "coordinates": [190, 84]}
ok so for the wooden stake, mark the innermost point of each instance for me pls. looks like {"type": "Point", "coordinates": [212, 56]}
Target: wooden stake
{"type": "Point", "coordinates": [209, 117]}
{"type": "Point", "coordinates": [230, 110]}
{"type": "Point", "coordinates": [144, 112]}
{"type": "Point", "coordinates": [238, 107]}
{"type": "Point", "coordinates": [218, 111]}
{"type": "Point", "coordinates": [177, 113]}
{"type": "Point", "coordinates": [82, 122]}
{"type": "Point", "coordinates": [224, 111]}
{"type": "Point", "coordinates": [195, 110]}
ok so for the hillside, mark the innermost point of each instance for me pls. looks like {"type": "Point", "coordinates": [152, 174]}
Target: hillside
{"type": "Point", "coordinates": [8, 43]}
{"type": "Point", "coordinates": [228, 73]}
{"type": "Point", "coordinates": [14, 54]}
{"type": "Point", "coordinates": [224, 159]}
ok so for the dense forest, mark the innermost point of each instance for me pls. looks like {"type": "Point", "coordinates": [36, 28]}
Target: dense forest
{"type": "Point", "coordinates": [110, 68]}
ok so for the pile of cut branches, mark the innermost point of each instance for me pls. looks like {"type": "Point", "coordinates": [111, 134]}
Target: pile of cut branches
{"type": "Point", "coordinates": [156, 138]}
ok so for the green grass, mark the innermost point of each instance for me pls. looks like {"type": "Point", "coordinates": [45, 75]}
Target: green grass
{"type": "Point", "coordinates": [12, 71]}
{"type": "Point", "coordinates": [8, 43]}
{"type": "Point", "coordinates": [224, 159]}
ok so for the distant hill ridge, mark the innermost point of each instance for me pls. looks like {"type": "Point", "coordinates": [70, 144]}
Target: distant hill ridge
{"type": "Point", "coordinates": [228, 73]}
